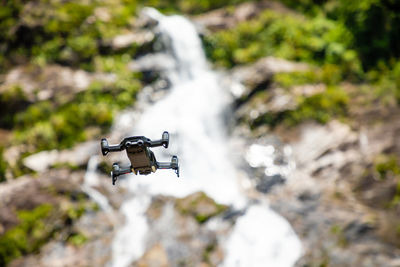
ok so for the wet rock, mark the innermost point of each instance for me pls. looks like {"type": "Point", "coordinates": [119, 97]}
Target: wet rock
{"type": "Point", "coordinates": [266, 184]}
{"type": "Point", "coordinates": [270, 163]}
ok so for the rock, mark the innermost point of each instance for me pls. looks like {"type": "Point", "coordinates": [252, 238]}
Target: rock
{"type": "Point", "coordinates": [258, 76]}
{"type": "Point", "coordinates": [308, 152]}
{"type": "Point", "coordinates": [276, 100]}
{"type": "Point", "coordinates": [262, 71]}
{"type": "Point", "coordinates": [319, 197]}
{"type": "Point", "coordinates": [95, 251]}
{"type": "Point", "coordinates": [221, 19]}
{"type": "Point", "coordinates": [77, 156]}
{"type": "Point", "coordinates": [178, 238]}
{"type": "Point", "coordinates": [43, 83]}
{"type": "Point", "coordinates": [25, 193]}
{"type": "Point", "coordinates": [154, 257]}
{"type": "Point", "coordinates": [128, 39]}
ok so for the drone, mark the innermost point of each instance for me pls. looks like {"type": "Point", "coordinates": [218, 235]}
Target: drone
{"type": "Point", "coordinates": [141, 157]}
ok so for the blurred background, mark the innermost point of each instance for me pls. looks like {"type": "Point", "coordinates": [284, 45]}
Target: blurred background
{"type": "Point", "coordinates": [285, 116]}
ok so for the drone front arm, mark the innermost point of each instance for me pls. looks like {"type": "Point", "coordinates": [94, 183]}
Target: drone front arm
{"type": "Point", "coordinates": [117, 171]}
{"type": "Point", "coordinates": [105, 148]}
{"type": "Point", "coordinates": [170, 165]}
{"type": "Point", "coordinates": [164, 141]}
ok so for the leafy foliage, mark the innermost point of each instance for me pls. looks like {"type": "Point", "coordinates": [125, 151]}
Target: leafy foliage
{"type": "Point", "coordinates": [65, 32]}
{"type": "Point", "coordinates": [375, 25]}
{"type": "Point", "coordinates": [318, 40]}
{"type": "Point", "coordinates": [26, 237]}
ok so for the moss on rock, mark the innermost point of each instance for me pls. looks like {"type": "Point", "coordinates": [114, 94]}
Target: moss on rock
{"type": "Point", "coordinates": [200, 206]}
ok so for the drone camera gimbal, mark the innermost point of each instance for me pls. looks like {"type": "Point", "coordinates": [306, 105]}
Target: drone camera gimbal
{"type": "Point", "coordinates": [141, 157]}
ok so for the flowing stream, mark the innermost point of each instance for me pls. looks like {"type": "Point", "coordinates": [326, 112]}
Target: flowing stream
{"type": "Point", "coordinates": [193, 113]}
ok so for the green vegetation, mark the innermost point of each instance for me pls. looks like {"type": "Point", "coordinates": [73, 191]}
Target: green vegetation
{"type": "Point", "coordinates": [320, 107]}
{"type": "Point", "coordinates": [28, 236]}
{"type": "Point", "coordinates": [374, 24]}
{"type": "Point", "coordinates": [74, 32]}
{"type": "Point", "coordinates": [338, 232]}
{"type": "Point", "coordinates": [387, 166]}
{"type": "Point", "coordinates": [3, 165]}
{"type": "Point", "coordinates": [37, 226]}
{"type": "Point", "coordinates": [328, 74]}
{"type": "Point", "coordinates": [12, 100]}
{"type": "Point", "coordinates": [77, 239]}
{"type": "Point", "coordinates": [318, 40]}
{"type": "Point", "coordinates": [69, 33]}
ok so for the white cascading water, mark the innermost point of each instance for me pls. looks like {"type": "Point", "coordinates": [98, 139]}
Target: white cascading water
{"type": "Point", "coordinates": [192, 112]}
{"type": "Point", "coordinates": [91, 180]}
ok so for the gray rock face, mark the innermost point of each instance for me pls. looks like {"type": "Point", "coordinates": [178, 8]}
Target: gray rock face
{"type": "Point", "coordinates": [319, 200]}
{"type": "Point", "coordinates": [179, 236]}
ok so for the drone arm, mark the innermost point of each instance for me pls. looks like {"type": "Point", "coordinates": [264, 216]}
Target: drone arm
{"type": "Point", "coordinates": [170, 165]}
{"type": "Point", "coordinates": [164, 141]}
{"type": "Point", "coordinates": [105, 148]}
{"type": "Point", "coordinates": [117, 171]}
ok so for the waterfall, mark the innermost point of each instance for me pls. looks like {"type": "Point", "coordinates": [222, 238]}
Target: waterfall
{"type": "Point", "coordinates": [91, 180]}
{"type": "Point", "coordinates": [192, 112]}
